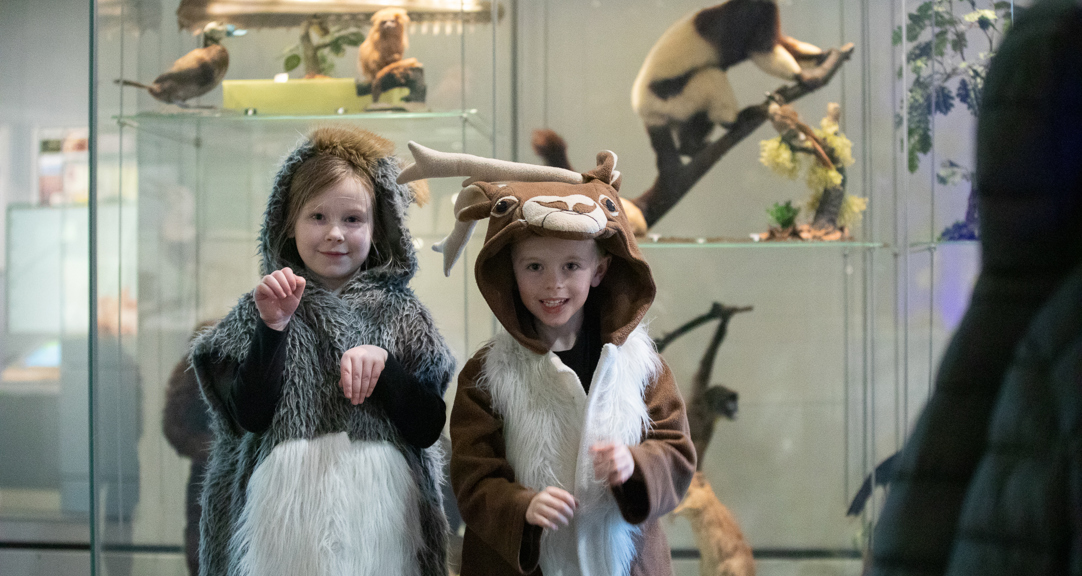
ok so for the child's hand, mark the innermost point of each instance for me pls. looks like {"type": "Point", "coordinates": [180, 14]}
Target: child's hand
{"type": "Point", "coordinates": [277, 297]}
{"type": "Point", "coordinates": [612, 462]}
{"type": "Point", "coordinates": [361, 367]}
{"type": "Point", "coordinates": [550, 506]}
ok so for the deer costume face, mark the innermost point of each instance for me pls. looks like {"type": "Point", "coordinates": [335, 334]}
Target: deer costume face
{"type": "Point", "coordinates": [523, 199]}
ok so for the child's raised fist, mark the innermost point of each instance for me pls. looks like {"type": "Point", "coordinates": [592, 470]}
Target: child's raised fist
{"type": "Point", "coordinates": [277, 297]}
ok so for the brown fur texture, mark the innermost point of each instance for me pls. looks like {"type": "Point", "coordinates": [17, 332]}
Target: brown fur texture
{"type": "Point", "coordinates": [386, 42]}
{"type": "Point", "coordinates": [362, 149]}
{"type": "Point", "coordinates": [723, 549]}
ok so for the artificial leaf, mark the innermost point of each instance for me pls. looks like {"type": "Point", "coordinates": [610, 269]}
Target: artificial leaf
{"type": "Point", "coordinates": [354, 38]}
{"type": "Point", "coordinates": [942, 38]}
{"type": "Point", "coordinates": [963, 92]}
{"type": "Point", "coordinates": [959, 42]}
{"type": "Point", "coordinates": [292, 61]}
{"type": "Point", "coordinates": [944, 100]}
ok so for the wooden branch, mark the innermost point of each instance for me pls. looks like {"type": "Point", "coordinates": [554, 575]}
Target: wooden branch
{"type": "Point", "coordinates": [675, 179]}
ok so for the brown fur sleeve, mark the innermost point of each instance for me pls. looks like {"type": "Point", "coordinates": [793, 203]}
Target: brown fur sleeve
{"type": "Point", "coordinates": [185, 421]}
{"type": "Point", "coordinates": [664, 461]}
{"type": "Point", "coordinates": [491, 503]}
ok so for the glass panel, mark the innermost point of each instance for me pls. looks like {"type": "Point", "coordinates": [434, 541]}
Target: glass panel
{"type": "Point", "coordinates": [44, 281]}
{"type": "Point", "coordinates": [183, 191]}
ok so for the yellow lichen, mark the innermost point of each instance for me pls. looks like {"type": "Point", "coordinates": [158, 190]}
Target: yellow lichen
{"type": "Point", "coordinates": [852, 210]}
{"type": "Point", "coordinates": [776, 155]}
{"type": "Point", "coordinates": [820, 178]}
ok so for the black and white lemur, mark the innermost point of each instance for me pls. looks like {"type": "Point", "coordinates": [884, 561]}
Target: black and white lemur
{"type": "Point", "coordinates": [682, 84]}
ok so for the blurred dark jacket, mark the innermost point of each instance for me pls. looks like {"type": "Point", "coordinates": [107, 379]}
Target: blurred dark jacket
{"type": "Point", "coordinates": [989, 483]}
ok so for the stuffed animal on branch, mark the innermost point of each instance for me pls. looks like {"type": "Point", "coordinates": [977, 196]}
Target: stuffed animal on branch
{"type": "Point", "coordinates": [379, 58]}
{"type": "Point", "coordinates": [723, 549]}
{"type": "Point", "coordinates": [689, 116]}
{"type": "Point", "coordinates": [683, 85]}
{"type": "Point", "coordinates": [195, 73]}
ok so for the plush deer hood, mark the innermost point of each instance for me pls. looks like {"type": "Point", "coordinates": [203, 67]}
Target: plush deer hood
{"type": "Point", "coordinates": [523, 199]}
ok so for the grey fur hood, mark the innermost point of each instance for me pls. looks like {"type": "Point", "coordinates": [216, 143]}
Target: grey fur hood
{"type": "Point", "coordinates": [392, 258]}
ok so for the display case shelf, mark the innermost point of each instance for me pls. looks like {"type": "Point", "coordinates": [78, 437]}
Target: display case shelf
{"type": "Point", "coordinates": [222, 115]}
{"type": "Point", "coordinates": [662, 243]}
{"type": "Point", "coordinates": [932, 246]}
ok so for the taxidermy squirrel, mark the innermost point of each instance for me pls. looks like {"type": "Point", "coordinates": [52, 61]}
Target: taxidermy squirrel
{"type": "Point", "coordinates": [195, 73]}
{"type": "Point", "coordinates": [682, 84]}
{"type": "Point", "coordinates": [723, 549]}
{"type": "Point", "coordinates": [381, 52]}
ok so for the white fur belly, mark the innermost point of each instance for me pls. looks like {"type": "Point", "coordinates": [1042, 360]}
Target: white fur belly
{"type": "Point", "coordinates": [330, 507]}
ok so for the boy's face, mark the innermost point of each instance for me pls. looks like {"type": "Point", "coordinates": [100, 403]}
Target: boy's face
{"type": "Point", "coordinates": [334, 231]}
{"type": "Point", "coordinates": [554, 276]}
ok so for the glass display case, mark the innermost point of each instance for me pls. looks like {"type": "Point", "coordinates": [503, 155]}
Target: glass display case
{"type": "Point", "coordinates": [832, 363]}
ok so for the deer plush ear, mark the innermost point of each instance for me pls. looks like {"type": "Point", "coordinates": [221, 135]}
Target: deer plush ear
{"type": "Point", "coordinates": [471, 205]}
{"type": "Point", "coordinates": [606, 170]}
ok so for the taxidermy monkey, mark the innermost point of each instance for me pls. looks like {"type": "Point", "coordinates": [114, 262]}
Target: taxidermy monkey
{"type": "Point", "coordinates": [195, 73]}
{"type": "Point", "coordinates": [381, 52]}
{"type": "Point", "coordinates": [723, 549]}
{"type": "Point", "coordinates": [682, 84]}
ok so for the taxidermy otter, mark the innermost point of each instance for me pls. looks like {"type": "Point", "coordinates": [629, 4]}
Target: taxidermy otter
{"type": "Point", "coordinates": [682, 84]}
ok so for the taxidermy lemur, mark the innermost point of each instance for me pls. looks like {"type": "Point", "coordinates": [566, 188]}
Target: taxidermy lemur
{"type": "Point", "coordinates": [682, 84]}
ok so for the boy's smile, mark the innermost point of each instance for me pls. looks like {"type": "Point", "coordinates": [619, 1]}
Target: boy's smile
{"type": "Point", "coordinates": [334, 232]}
{"type": "Point", "coordinates": [554, 277]}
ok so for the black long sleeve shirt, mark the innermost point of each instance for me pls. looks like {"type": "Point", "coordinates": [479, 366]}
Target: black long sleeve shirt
{"type": "Point", "coordinates": [416, 411]}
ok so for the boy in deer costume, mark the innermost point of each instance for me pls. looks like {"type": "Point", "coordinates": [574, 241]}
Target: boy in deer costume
{"type": "Point", "coordinates": [569, 436]}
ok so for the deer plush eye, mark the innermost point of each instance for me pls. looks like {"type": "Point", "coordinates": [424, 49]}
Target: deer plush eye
{"type": "Point", "coordinates": [609, 205]}
{"type": "Point", "coordinates": [504, 205]}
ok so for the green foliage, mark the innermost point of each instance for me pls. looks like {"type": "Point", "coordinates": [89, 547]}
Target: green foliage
{"type": "Point", "coordinates": [943, 70]}
{"type": "Point", "coordinates": [292, 61]}
{"type": "Point", "coordinates": [330, 42]}
{"type": "Point", "coordinates": [783, 215]}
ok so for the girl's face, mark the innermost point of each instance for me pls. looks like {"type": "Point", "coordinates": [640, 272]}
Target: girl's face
{"type": "Point", "coordinates": [334, 231]}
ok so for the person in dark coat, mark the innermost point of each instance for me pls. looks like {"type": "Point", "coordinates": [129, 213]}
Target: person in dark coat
{"type": "Point", "coordinates": [990, 481]}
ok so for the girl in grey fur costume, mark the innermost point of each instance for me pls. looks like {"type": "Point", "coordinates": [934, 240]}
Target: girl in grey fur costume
{"type": "Point", "coordinates": [312, 473]}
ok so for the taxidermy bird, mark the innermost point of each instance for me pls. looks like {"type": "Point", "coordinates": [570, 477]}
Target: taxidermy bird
{"type": "Point", "coordinates": [195, 73]}
{"type": "Point", "coordinates": [722, 547]}
{"type": "Point", "coordinates": [682, 84]}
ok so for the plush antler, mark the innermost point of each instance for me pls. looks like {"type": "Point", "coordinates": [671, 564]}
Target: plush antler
{"type": "Point", "coordinates": [465, 221]}
{"type": "Point", "coordinates": [430, 163]}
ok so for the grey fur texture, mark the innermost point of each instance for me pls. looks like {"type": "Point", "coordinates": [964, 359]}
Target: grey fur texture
{"type": "Point", "coordinates": [375, 307]}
